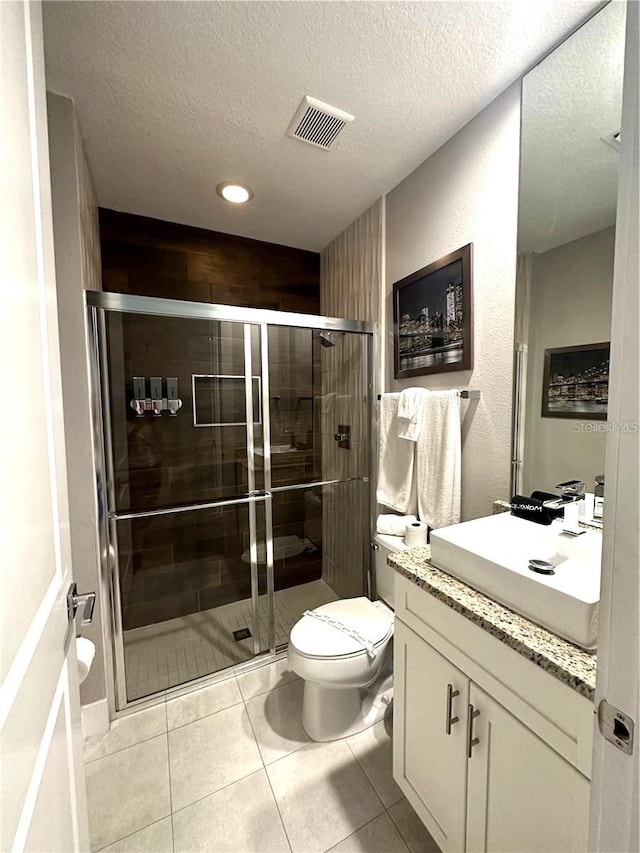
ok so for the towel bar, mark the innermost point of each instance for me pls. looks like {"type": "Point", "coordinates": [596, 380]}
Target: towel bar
{"type": "Point", "coordinates": [466, 394]}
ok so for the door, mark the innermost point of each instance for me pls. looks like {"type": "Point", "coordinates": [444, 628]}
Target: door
{"type": "Point", "coordinates": [429, 758]}
{"type": "Point", "coordinates": [522, 795]}
{"type": "Point", "coordinates": [42, 784]}
{"type": "Point", "coordinates": [184, 412]}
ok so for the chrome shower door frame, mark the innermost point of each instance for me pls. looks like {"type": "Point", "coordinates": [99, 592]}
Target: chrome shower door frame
{"type": "Point", "coordinates": [98, 303]}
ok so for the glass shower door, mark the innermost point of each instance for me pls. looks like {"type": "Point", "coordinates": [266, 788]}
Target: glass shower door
{"type": "Point", "coordinates": [319, 402]}
{"type": "Point", "coordinates": [186, 499]}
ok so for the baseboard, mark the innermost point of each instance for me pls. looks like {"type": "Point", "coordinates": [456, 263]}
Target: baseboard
{"type": "Point", "coordinates": [95, 718]}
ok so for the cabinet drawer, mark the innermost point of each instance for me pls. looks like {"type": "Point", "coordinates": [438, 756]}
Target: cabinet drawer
{"type": "Point", "coordinates": [552, 710]}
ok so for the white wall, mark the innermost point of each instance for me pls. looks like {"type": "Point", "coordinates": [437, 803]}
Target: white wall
{"type": "Point", "coordinates": [467, 192]}
{"type": "Point", "coordinates": [570, 304]}
{"type": "Point", "coordinates": [77, 254]}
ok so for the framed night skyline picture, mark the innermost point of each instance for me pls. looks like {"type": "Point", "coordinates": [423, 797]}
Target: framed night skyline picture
{"type": "Point", "coordinates": [576, 382]}
{"type": "Point", "coordinates": [432, 317]}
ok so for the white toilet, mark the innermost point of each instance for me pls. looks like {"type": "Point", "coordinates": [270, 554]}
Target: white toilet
{"type": "Point", "coordinates": [344, 655]}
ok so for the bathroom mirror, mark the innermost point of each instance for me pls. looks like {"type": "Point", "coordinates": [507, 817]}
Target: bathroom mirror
{"type": "Point", "coordinates": [571, 114]}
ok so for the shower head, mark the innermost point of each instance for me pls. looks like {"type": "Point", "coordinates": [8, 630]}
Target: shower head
{"type": "Point", "coordinates": [326, 339]}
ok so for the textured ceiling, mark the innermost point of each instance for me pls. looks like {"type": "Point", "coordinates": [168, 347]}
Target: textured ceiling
{"type": "Point", "coordinates": [174, 97]}
{"type": "Point", "coordinates": [569, 176]}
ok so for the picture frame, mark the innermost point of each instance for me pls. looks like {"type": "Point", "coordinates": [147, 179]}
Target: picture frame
{"type": "Point", "coordinates": [575, 383]}
{"type": "Point", "coordinates": [433, 317]}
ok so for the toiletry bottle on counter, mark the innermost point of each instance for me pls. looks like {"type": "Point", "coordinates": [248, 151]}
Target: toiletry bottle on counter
{"type": "Point", "coordinates": [598, 500]}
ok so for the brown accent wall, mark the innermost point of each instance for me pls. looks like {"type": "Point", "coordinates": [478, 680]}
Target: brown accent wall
{"type": "Point", "coordinates": [149, 257]}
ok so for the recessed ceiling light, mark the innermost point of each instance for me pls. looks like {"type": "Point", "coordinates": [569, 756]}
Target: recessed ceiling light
{"type": "Point", "coordinates": [234, 192]}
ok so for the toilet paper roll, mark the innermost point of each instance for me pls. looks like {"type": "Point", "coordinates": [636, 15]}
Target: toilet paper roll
{"type": "Point", "coordinates": [85, 651]}
{"type": "Point", "coordinates": [416, 534]}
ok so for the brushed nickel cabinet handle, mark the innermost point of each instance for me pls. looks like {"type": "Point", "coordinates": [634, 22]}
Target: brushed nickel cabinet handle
{"type": "Point", "coordinates": [451, 695]}
{"type": "Point", "coordinates": [471, 740]}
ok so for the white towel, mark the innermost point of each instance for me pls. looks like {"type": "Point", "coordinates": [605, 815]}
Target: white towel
{"type": "Point", "coordinates": [410, 411]}
{"type": "Point", "coordinates": [438, 460]}
{"type": "Point", "coordinates": [396, 483]}
{"type": "Point", "coordinates": [394, 525]}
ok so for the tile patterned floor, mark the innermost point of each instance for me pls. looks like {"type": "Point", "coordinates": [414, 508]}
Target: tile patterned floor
{"type": "Point", "coordinates": [228, 768]}
{"type": "Point", "coordinates": [179, 650]}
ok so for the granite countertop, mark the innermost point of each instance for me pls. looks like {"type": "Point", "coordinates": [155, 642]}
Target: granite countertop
{"type": "Point", "coordinates": [560, 658]}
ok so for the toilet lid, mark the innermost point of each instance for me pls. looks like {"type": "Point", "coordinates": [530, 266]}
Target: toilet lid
{"type": "Point", "coordinates": [372, 622]}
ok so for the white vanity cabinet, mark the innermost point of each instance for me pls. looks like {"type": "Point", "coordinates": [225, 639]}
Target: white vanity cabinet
{"type": "Point", "coordinates": [512, 778]}
{"type": "Point", "coordinates": [428, 762]}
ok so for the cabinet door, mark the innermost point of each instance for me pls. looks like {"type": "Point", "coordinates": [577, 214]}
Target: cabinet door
{"type": "Point", "coordinates": [522, 795]}
{"type": "Point", "coordinates": [428, 764]}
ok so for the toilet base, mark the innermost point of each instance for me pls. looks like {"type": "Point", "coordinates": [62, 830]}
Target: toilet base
{"type": "Point", "coordinates": [330, 714]}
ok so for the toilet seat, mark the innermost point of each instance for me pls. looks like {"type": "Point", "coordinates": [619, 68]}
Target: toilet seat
{"type": "Point", "coordinates": [367, 628]}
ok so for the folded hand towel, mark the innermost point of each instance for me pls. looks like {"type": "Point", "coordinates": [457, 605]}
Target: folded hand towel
{"type": "Point", "coordinates": [396, 483]}
{"type": "Point", "coordinates": [410, 412]}
{"type": "Point", "coordinates": [394, 525]}
{"type": "Point", "coordinates": [438, 460]}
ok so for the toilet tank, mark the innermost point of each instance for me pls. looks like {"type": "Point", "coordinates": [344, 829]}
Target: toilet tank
{"type": "Point", "coordinates": [384, 573]}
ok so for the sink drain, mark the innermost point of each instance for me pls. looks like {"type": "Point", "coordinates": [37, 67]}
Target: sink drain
{"type": "Point", "coordinates": [542, 567]}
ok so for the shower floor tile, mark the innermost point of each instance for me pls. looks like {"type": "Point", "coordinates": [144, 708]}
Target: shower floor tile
{"type": "Point", "coordinates": [161, 656]}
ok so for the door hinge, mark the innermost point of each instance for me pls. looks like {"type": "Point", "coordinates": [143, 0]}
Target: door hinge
{"type": "Point", "coordinates": [616, 726]}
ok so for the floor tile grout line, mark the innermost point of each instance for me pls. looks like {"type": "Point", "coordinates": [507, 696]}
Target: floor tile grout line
{"type": "Point", "coordinates": [284, 826]}
{"type": "Point", "coordinates": [130, 834]}
{"type": "Point", "coordinates": [124, 748]}
{"type": "Point", "coordinates": [255, 736]}
{"type": "Point", "coordinates": [217, 791]}
{"type": "Point", "coordinates": [364, 772]}
{"type": "Point", "coordinates": [173, 835]}
{"type": "Point", "coordinates": [268, 690]}
{"type": "Point", "coordinates": [272, 689]}
{"type": "Point", "coordinates": [264, 768]}
{"type": "Point", "coordinates": [406, 842]}
{"type": "Point", "coordinates": [204, 716]}
{"type": "Point", "coordinates": [355, 831]}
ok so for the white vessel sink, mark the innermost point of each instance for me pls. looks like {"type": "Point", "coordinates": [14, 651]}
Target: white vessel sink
{"type": "Point", "coordinates": [492, 555]}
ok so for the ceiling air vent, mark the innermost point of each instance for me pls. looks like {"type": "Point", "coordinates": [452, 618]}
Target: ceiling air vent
{"type": "Point", "coordinates": [317, 123]}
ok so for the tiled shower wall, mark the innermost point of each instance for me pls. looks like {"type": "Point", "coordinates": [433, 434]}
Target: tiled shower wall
{"type": "Point", "coordinates": [351, 284]}
{"type": "Point", "coordinates": [149, 257]}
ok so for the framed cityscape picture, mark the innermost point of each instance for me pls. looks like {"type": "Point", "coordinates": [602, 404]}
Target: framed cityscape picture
{"type": "Point", "coordinates": [432, 317]}
{"type": "Point", "coordinates": [576, 382]}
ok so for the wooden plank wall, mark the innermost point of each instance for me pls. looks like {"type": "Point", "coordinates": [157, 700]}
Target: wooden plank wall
{"type": "Point", "coordinates": [149, 257]}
